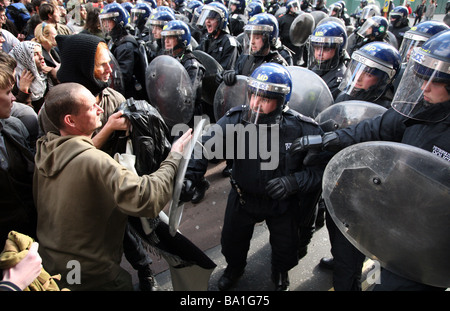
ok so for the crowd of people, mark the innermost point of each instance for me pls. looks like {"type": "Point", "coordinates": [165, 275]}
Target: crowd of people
{"type": "Point", "coordinates": [66, 67]}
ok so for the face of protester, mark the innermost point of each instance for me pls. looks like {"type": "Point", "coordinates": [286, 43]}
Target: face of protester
{"type": "Point", "coordinates": [55, 17]}
{"type": "Point", "coordinates": [38, 58]}
{"type": "Point", "coordinates": [3, 17]}
{"type": "Point", "coordinates": [6, 100]}
{"type": "Point", "coordinates": [102, 69]}
{"type": "Point", "coordinates": [434, 92]}
{"type": "Point", "coordinates": [87, 120]}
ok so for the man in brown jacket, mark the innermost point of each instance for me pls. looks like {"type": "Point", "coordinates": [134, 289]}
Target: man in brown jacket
{"type": "Point", "coordinates": [83, 196]}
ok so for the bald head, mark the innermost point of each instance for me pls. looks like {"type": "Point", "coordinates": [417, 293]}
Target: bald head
{"type": "Point", "coordinates": [72, 108]}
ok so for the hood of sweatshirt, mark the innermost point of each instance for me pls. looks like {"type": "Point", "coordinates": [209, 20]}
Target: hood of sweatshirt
{"type": "Point", "coordinates": [54, 152]}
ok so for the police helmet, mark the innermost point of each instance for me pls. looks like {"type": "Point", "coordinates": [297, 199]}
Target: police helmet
{"type": "Point", "coordinates": [428, 64]}
{"type": "Point", "coordinates": [269, 81]}
{"type": "Point", "coordinates": [264, 24]}
{"type": "Point", "coordinates": [140, 13]}
{"type": "Point", "coordinates": [180, 30]}
{"type": "Point", "coordinates": [253, 8]}
{"type": "Point", "coordinates": [399, 16]}
{"type": "Point", "coordinates": [326, 36]}
{"type": "Point", "coordinates": [116, 13]}
{"type": "Point", "coordinates": [214, 10]}
{"type": "Point", "coordinates": [371, 71]}
{"type": "Point", "coordinates": [417, 35]}
{"type": "Point", "coordinates": [374, 28]}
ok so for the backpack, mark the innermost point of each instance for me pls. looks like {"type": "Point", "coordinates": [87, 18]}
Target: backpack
{"type": "Point", "coordinates": [18, 14]}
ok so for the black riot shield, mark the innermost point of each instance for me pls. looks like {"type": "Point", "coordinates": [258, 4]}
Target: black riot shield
{"type": "Point", "coordinates": [347, 113]}
{"type": "Point", "coordinates": [228, 97]}
{"type": "Point", "coordinates": [301, 28]}
{"type": "Point", "coordinates": [116, 77]}
{"type": "Point", "coordinates": [318, 16]}
{"type": "Point", "coordinates": [332, 19]}
{"type": "Point", "coordinates": [176, 207]}
{"type": "Point", "coordinates": [170, 90]}
{"type": "Point", "coordinates": [212, 67]}
{"type": "Point", "coordinates": [391, 201]}
{"type": "Point", "coordinates": [310, 94]}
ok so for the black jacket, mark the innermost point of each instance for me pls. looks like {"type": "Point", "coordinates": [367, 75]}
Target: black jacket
{"type": "Point", "coordinates": [225, 49]}
{"type": "Point", "coordinates": [247, 170]}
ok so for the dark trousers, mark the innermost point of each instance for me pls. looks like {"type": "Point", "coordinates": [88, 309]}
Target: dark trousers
{"type": "Point", "coordinates": [348, 260]}
{"type": "Point", "coordinates": [135, 252]}
{"type": "Point", "coordinates": [238, 230]}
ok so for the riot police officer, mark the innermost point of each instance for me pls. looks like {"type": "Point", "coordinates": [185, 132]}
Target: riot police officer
{"type": "Point", "coordinates": [276, 193]}
{"type": "Point", "coordinates": [261, 35]}
{"type": "Point", "coordinates": [416, 37]}
{"type": "Point", "coordinates": [375, 28]}
{"type": "Point", "coordinates": [285, 21]}
{"type": "Point", "coordinates": [176, 39]}
{"type": "Point", "coordinates": [399, 23]}
{"type": "Point", "coordinates": [237, 19]}
{"type": "Point", "coordinates": [419, 112]}
{"type": "Point", "coordinates": [370, 74]}
{"type": "Point", "coordinates": [222, 46]}
{"type": "Point", "coordinates": [138, 19]}
{"type": "Point", "coordinates": [113, 20]}
{"type": "Point", "coordinates": [327, 54]}
{"type": "Point", "coordinates": [155, 24]}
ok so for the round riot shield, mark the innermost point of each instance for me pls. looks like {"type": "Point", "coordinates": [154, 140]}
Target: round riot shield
{"type": "Point", "coordinates": [212, 67]}
{"type": "Point", "coordinates": [332, 19]}
{"type": "Point", "coordinates": [301, 28]}
{"type": "Point", "coordinates": [318, 16]}
{"type": "Point", "coordinates": [170, 89]}
{"type": "Point", "coordinates": [176, 207]}
{"type": "Point", "coordinates": [116, 77]}
{"type": "Point", "coordinates": [391, 39]}
{"type": "Point", "coordinates": [346, 113]}
{"type": "Point", "coordinates": [310, 94]}
{"type": "Point", "coordinates": [228, 97]}
{"type": "Point", "coordinates": [391, 201]}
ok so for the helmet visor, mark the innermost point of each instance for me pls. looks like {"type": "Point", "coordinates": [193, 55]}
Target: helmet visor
{"type": "Point", "coordinates": [209, 13]}
{"type": "Point", "coordinates": [410, 42]}
{"type": "Point", "coordinates": [172, 41]}
{"type": "Point", "coordinates": [324, 53]}
{"type": "Point", "coordinates": [107, 22]}
{"type": "Point", "coordinates": [421, 73]}
{"type": "Point", "coordinates": [256, 39]}
{"type": "Point", "coordinates": [266, 101]}
{"type": "Point", "coordinates": [363, 82]}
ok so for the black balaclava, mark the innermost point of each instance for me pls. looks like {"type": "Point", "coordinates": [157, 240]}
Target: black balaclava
{"type": "Point", "coordinates": [77, 54]}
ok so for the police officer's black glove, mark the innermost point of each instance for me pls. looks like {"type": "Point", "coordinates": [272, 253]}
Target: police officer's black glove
{"type": "Point", "coordinates": [329, 141]}
{"type": "Point", "coordinates": [229, 77]}
{"type": "Point", "coordinates": [187, 191]}
{"type": "Point", "coordinates": [219, 78]}
{"type": "Point", "coordinates": [281, 187]}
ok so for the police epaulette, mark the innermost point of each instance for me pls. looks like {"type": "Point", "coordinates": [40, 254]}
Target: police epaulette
{"type": "Point", "coordinates": [300, 116]}
{"type": "Point", "coordinates": [235, 109]}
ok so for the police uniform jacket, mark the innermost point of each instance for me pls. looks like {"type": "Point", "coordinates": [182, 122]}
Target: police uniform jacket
{"type": "Point", "coordinates": [247, 172]}
{"type": "Point", "coordinates": [224, 49]}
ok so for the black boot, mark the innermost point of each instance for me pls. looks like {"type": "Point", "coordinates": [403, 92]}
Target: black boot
{"type": "Point", "coordinates": [229, 278]}
{"type": "Point", "coordinates": [147, 281]}
{"type": "Point", "coordinates": [281, 280]}
{"type": "Point", "coordinates": [200, 190]}
{"type": "Point", "coordinates": [327, 263]}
